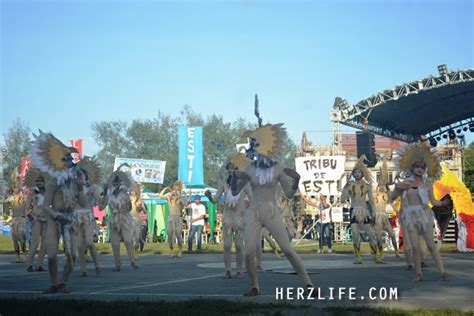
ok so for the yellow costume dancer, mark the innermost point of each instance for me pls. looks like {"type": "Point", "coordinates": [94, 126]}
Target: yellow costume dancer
{"type": "Point", "coordinates": [64, 194]}
{"type": "Point", "coordinates": [423, 164]}
{"type": "Point", "coordinates": [266, 176]}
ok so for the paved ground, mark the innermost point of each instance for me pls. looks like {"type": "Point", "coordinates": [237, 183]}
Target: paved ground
{"type": "Point", "coordinates": [200, 275]}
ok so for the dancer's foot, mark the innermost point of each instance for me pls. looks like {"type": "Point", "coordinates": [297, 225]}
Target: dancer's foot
{"type": "Point", "coordinates": [358, 261]}
{"type": "Point", "coordinates": [424, 265]}
{"type": "Point", "coordinates": [444, 276]}
{"type": "Point", "coordinates": [259, 268]}
{"type": "Point", "coordinates": [134, 266]}
{"type": "Point", "coordinates": [97, 270]}
{"type": "Point", "coordinates": [52, 289]}
{"type": "Point", "coordinates": [40, 269]}
{"type": "Point", "coordinates": [228, 275]}
{"type": "Point", "coordinates": [380, 261]}
{"type": "Point", "coordinates": [180, 254]}
{"type": "Point", "coordinates": [62, 288]}
{"type": "Point", "coordinates": [319, 251]}
{"type": "Point", "coordinates": [417, 278]}
{"type": "Point", "coordinates": [409, 267]}
{"type": "Point", "coordinates": [30, 269]}
{"type": "Point", "coordinates": [329, 250]}
{"type": "Point", "coordinates": [253, 292]}
{"type": "Point", "coordinates": [239, 275]}
{"type": "Point", "coordinates": [83, 274]}
{"type": "Point", "coordinates": [117, 269]}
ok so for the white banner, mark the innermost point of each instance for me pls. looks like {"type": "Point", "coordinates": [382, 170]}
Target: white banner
{"type": "Point", "coordinates": [149, 171]}
{"type": "Point", "coordinates": [319, 175]}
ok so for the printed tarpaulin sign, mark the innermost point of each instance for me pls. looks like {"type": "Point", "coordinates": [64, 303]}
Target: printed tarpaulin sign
{"type": "Point", "coordinates": [149, 171]}
{"type": "Point", "coordinates": [190, 163]}
{"type": "Point", "coordinates": [319, 175]}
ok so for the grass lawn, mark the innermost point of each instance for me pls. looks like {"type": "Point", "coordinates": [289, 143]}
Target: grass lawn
{"type": "Point", "coordinates": [306, 246]}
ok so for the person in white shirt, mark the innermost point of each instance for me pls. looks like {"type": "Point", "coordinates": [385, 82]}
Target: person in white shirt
{"type": "Point", "coordinates": [197, 223]}
{"type": "Point", "coordinates": [324, 221]}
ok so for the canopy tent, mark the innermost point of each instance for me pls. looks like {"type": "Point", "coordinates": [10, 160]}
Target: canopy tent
{"type": "Point", "coordinates": [161, 211]}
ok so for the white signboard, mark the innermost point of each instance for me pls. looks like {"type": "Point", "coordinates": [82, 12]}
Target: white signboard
{"type": "Point", "coordinates": [337, 214]}
{"type": "Point", "coordinates": [319, 175]}
{"type": "Point", "coordinates": [149, 171]}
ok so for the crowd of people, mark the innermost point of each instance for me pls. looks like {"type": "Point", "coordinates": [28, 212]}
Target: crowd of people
{"type": "Point", "coordinates": [59, 194]}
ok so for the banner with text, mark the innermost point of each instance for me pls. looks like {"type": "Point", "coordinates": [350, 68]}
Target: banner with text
{"type": "Point", "coordinates": [149, 171]}
{"type": "Point", "coordinates": [319, 175]}
{"type": "Point", "coordinates": [191, 165]}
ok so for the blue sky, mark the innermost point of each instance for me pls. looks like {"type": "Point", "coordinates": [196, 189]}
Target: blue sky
{"type": "Point", "coordinates": [67, 64]}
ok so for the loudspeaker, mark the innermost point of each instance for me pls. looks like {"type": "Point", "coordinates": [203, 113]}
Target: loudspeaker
{"type": "Point", "coordinates": [366, 146]}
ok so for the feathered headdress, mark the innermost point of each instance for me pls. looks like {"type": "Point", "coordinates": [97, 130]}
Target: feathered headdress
{"type": "Point", "coordinates": [47, 153]}
{"type": "Point", "coordinates": [91, 166]}
{"type": "Point", "coordinates": [239, 160]}
{"type": "Point", "coordinates": [270, 139]}
{"type": "Point", "coordinates": [383, 173]}
{"type": "Point", "coordinates": [409, 154]}
{"type": "Point", "coordinates": [32, 175]}
{"type": "Point", "coordinates": [362, 167]}
{"type": "Point", "coordinates": [125, 179]}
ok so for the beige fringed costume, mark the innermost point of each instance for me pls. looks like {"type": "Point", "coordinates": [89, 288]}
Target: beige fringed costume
{"type": "Point", "coordinates": [19, 224]}
{"type": "Point", "coordinates": [176, 202]}
{"type": "Point", "coordinates": [36, 181]}
{"type": "Point", "coordinates": [233, 212]}
{"type": "Point", "coordinates": [359, 192]}
{"type": "Point", "coordinates": [265, 177]}
{"type": "Point", "coordinates": [423, 163]}
{"type": "Point", "coordinates": [64, 194]}
{"type": "Point", "coordinates": [382, 223]}
{"type": "Point", "coordinates": [84, 221]}
{"type": "Point", "coordinates": [117, 197]}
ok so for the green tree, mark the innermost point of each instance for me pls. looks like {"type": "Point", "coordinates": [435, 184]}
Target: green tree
{"type": "Point", "coordinates": [17, 145]}
{"type": "Point", "coordinates": [158, 139]}
{"type": "Point", "coordinates": [469, 167]}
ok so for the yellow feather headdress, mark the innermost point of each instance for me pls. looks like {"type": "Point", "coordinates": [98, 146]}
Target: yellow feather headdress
{"type": "Point", "coordinates": [271, 139]}
{"type": "Point", "coordinates": [239, 160]}
{"type": "Point", "coordinates": [409, 154]}
{"type": "Point", "coordinates": [32, 175]}
{"type": "Point", "coordinates": [47, 153]}
{"type": "Point", "coordinates": [92, 168]}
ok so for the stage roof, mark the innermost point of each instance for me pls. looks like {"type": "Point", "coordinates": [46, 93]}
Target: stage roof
{"type": "Point", "coordinates": [428, 106]}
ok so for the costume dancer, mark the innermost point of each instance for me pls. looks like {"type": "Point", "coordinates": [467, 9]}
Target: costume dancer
{"type": "Point", "coordinates": [233, 212]}
{"type": "Point", "coordinates": [423, 163]}
{"type": "Point", "coordinates": [19, 222]}
{"type": "Point", "coordinates": [359, 192]}
{"type": "Point", "coordinates": [64, 194]}
{"type": "Point", "coordinates": [382, 224]}
{"type": "Point", "coordinates": [265, 176]}
{"type": "Point", "coordinates": [176, 202]}
{"type": "Point", "coordinates": [117, 196]}
{"type": "Point", "coordinates": [36, 182]}
{"type": "Point", "coordinates": [84, 222]}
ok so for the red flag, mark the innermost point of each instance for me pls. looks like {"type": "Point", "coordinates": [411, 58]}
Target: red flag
{"type": "Point", "coordinates": [77, 143]}
{"type": "Point", "coordinates": [25, 165]}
